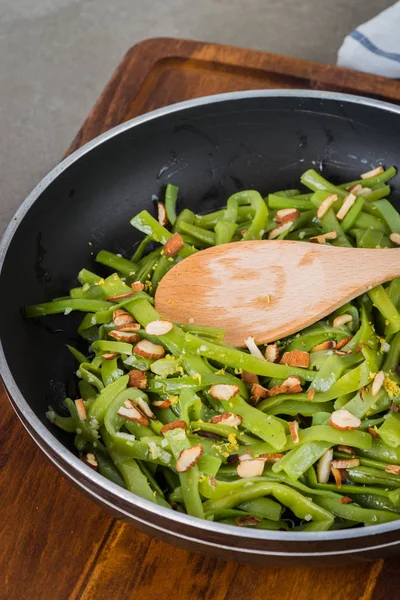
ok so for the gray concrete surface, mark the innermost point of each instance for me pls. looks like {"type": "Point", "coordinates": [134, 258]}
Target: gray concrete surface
{"type": "Point", "coordinates": [57, 55]}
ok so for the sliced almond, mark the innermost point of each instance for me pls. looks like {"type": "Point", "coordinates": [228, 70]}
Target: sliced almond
{"type": "Point", "coordinates": [149, 350]}
{"type": "Point", "coordinates": [122, 317]}
{"type": "Point", "coordinates": [355, 189]}
{"type": "Point", "coordinates": [188, 458]}
{"type": "Point", "coordinates": [328, 345]}
{"type": "Point", "coordinates": [296, 358]}
{"type": "Point", "coordinates": [324, 466]}
{"type": "Point", "coordinates": [323, 237]}
{"type": "Point", "coordinates": [294, 431]}
{"type": "Point", "coordinates": [137, 286]}
{"type": "Point", "coordinates": [342, 343]}
{"type": "Point", "coordinates": [110, 355]}
{"type": "Point", "coordinates": [249, 377]}
{"type": "Point", "coordinates": [174, 425]}
{"type": "Point", "coordinates": [395, 238]}
{"type": "Point", "coordinates": [246, 456]}
{"type": "Point", "coordinates": [345, 500]}
{"type": "Point", "coordinates": [274, 233]}
{"type": "Point", "coordinates": [377, 382]}
{"type": "Point", "coordinates": [372, 173]}
{"type": "Point", "coordinates": [271, 458]}
{"type": "Point", "coordinates": [158, 327]}
{"type": "Point", "coordinates": [344, 421]}
{"type": "Point", "coordinates": [326, 204]}
{"type": "Point", "coordinates": [346, 450]}
{"type": "Point", "coordinates": [120, 297]}
{"type": "Point", "coordinates": [291, 385]}
{"type": "Point", "coordinates": [342, 353]}
{"type": "Point", "coordinates": [223, 391]}
{"type": "Point", "coordinates": [341, 320]}
{"type": "Point", "coordinates": [248, 521]}
{"type": "Point", "coordinates": [272, 353]}
{"type": "Point", "coordinates": [162, 214]}
{"type": "Point", "coordinates": [81, 409]}
{"type": "Point", "coordinates": [90, 460]}
{"type": "Point", "coordinates": [253, 348]}
{"type": "Point", "coordinates": [259, 391]}
{"type": "Point", "coordinates": [346, 206]}
{"type": "Point", "coordinates": [337, 475]}
{"type": "Point", "coordinates": [345, 463]}
{"type": "Point", "coordinates": [395, 469]}
{"type": "Point", "coordinates": [173, 245]}
{"type": "Point", "coordinates": [311, 393]}
{"type": "Point", "coordinates": [124, 336]}
{"type": "Point", "coordinates": [132, 413]}
{"type": "Point", "coordinates": [286, 215]}
{"type": "Point", "coordinates": [145, 408]}
{"type": "Point", "coordinates": [365, 191]}
{"type": "Point", "coordinates": [137, 379]}
{"type": "Point", "coordinates": [162, 403]}
{"type": "Point", "coordinates": [129, 327]}
{"type": "Point", "coordinates": [228, 419]}
{"type": "Point", "coordinates": [372, 431]}
{"type": "Point", "coordinates": [250, 468]}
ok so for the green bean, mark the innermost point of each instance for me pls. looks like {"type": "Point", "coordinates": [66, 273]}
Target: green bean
{"type": "Point", "coordinates": [171, 196]}
{"type": "Point", "coordinates": [114, 261]}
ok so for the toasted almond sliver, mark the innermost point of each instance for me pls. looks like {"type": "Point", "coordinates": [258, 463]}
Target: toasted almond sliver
{"type": "Point", "coordinates": [228, 419]}
{"type": "Point", "coordinates": [395, 238]}
{"type": "Point", "coordinates": [355, 189]}
{"type": "Point", "coordinates": [246, 456]}
{"type": "Point", "coordinates": [120, 297]}
{"type": "Point", "coordinates": [259, 391]}
{"type": "Point", "coordinates": [81, 409]}
{"type": "Point", "coordinates": [294, 431]}
{"type": "Point", "coordinates": [372, 431]}
{"type": "Point", "coordinates": [122, 317]}
{"type": "Point", "coordinates": [328, 345]}
{"type": "Point", "coordinates": [311, 393]}
{"type": "Point", "coordinates": [249, 377]}
{"type": "Point", "coordinates": [276, 390]}
{"type": "Point", "coordinates": [377, 383]}
{"type": "Point", "coordinates": [286, 215]}
{"type": "Point", "coordinates": [110, 355]}
{"type": "Point", "coordinates": [173, 245]}
{"type": "Point", "coordinates": [346, 450]}
{"type": "Point", "coordinates": [129, 327]}
{"type": "Point", "coordinates": [341, 320]}
{"type": "Point", "coordinates": [274, 233]}
{"type": "Point", "coordinates": [149, 350]}
{"type": "Point", "coordinates": [345, 463]}
{"type": "Point", "coordinates": [250, 468]}
{"type": "Point", "coordinates": [174, 425]}
{"type": "Point", "coordinates": [124, 336]}
{"type": "Point", "coordinates": [344, 421]}
{"type": "Point", "coordinates": [321, 239]}
{"type": "Point", "coordinates": [161, 403]}
{"type": "Point", "coordinates": [145, 408]}
{"type": "Point", "coordinates": [188, 458]}
{"type": "Point", "coordinates": [272, 353]}
{"type": "Point", "coordinates": [158, 327]}
{"type": "Point", "coordinates": [132, 413]}
{"type": "Point", "coordinates": [326, 204]}
{"type": "Point", "coordinates": [253, 348]}
{"type": "Point", "coordinates": [342, 343]}
{"type": "Point", "coordinates": [223, 391]}
{"type": "Point", "coordinates": [137, 286]}
{"type": "Point", "coordinates": [271, 458]}
{"type": "Point", "coordinates": [337, 475]}
{"type": "Point", "coordinates": [345, 500]}
{"type": "Point", "coordinates": [296, 358]}
{"type": "Point", "coordinates": [293, 383]}
{"type": "Point", "coordinates": [137, 379]}
{"type": "Point", "coordinates": [365, 191]}
{"type": "Point", "coordinates": [346, 206]}
{"type": "Point", "coordinates": [90, 460]}
{"type": "Point", "coordinates": [248, 521]}
{"type": "Point", "coordinates": [395, 469]}
{"type": "Point", "coordinates": [372, 173]}
{"type": "Point", "coordinates": [162, 214]}
{"type": "Point", "coordinates": [324, 466]}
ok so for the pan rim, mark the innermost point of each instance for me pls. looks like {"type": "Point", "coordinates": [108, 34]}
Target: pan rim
{"type": "Point", "coordinates": [72, 466]}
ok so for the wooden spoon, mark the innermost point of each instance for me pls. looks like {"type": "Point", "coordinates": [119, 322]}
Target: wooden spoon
{"type": "Point", "coordinates": [269, 289]}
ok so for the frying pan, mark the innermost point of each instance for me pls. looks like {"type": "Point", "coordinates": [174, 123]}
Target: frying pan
{"type": "Point", "coordinates": [210, 147]}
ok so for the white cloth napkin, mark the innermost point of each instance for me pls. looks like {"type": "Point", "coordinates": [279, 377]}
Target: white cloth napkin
{"type": "Point", "coordinates": [374, 47]}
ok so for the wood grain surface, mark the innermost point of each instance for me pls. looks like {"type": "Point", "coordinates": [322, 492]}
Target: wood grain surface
{"type": "Point", "coordinates": [57, 544]}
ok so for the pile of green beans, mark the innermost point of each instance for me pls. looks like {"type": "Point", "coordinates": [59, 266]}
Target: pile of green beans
{"type": "Point", "coordinates": [288, 493]}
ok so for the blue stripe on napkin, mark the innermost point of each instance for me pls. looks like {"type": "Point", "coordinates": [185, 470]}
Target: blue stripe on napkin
{"type": "Point", "coordinates": [364, 41]}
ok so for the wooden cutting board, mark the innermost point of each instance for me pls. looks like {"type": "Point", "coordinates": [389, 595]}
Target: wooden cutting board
{"type": "Point", "coordinates": [55, 543]}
